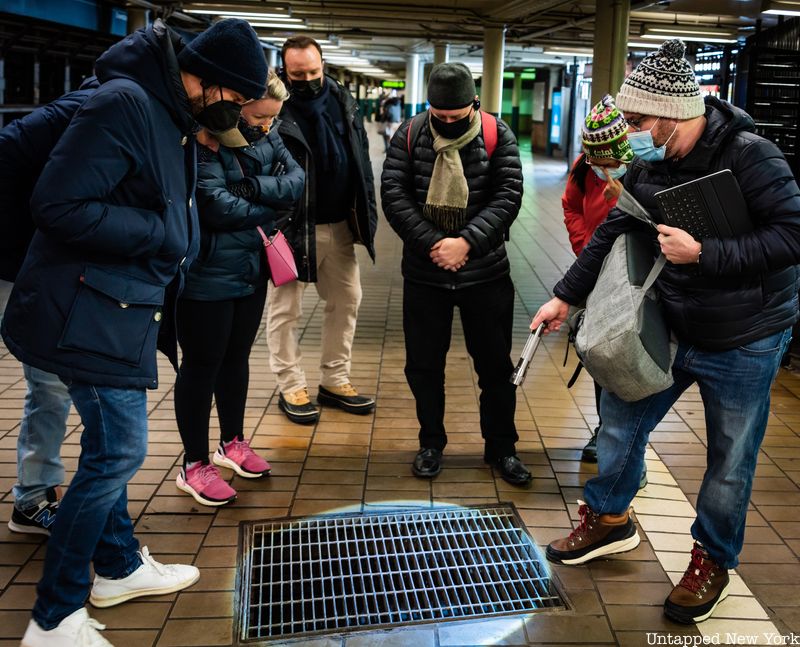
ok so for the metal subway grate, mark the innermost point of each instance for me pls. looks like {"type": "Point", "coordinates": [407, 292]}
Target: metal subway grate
{"type": "Point", "coordinates": [356, 571]}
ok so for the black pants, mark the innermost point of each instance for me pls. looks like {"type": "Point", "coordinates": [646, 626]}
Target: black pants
{"type": "Point", "coordinates": [216, 338]}
{"type": "Point", "coordinates": [487, 317]}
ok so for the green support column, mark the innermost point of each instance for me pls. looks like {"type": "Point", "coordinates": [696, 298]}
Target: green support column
{"type": "Point", "coordinates": [515, 98]}
{"type": "Point", "coordinates": [493, 64]}
{"type": "Point", "coordinates": [611, 25]}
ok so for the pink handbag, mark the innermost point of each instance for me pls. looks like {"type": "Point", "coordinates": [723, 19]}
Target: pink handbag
{"type": "Point", "coordinates": [280, 258]}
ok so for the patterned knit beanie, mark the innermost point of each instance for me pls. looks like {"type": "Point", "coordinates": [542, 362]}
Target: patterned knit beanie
{"type": "Point", "coordinates": [663, 85]}
{"type": "Point", "coordinates": [605, 132]}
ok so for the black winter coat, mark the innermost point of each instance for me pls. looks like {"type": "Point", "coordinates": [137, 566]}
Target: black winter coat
{"type": "Point", "coordinates": [744, 288]}
{"type": "Point", "coordinates": [231, 262]}
{"type": "Point", "coordinates": [115, 224]}
{"type": "Point", "coordinates": [25, 146]}
{"type": "Point", "coordinates": [298, 227]}
{"type": "Point", "coordinates": [495, 196]}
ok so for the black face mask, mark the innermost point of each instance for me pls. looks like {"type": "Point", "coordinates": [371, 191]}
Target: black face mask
{"type": "Point", "coordinates": [453, 129]}
{"type": "Point", "coordinates": [218, 116]}
{"type": "Point", "coordinates": [306, 89]}
{"type": "Point", "coordinates": [251, 133]}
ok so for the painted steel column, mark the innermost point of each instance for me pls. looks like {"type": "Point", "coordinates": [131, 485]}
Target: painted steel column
{"type": "Point", "coordinates": [412, 84]}
{"type": "Point", "coordinates": [515, 98]}
{"type": "Point", "coordinates": [610, 54]}
{"type": "Point", "coordinates": [422, 93]}
{"type": "Point", "coordinates": [441, 53]}
{"type": "Point", "coordinates": [493, 63]}
{"type": "Point", "coordinates": [272, 59]}
{"type": "Point", "coordinates": [2, 88]}
{"type": "Point", "coordinates": [137, 19]}
{"type": "Point", "coordinates": [67, 76]}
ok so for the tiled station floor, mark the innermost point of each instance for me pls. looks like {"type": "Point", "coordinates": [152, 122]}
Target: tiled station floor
{"type": "Point", "coordinates": [363, 463]}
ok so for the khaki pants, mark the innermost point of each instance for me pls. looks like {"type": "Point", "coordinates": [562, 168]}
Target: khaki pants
{"type": "Point", "coordinates": [339, 286]}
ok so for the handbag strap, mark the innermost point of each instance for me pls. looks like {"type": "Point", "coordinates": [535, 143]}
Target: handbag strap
{"type": "Point", "coordinates": [264, 237]}
{"type": "Point", "coordinates": [661, 261]}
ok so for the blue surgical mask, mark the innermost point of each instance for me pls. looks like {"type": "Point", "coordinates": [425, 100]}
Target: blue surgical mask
{"type": "Point", "coordinates": [641, 142]}
{"type": "Point", "coordinates": [614, 173]}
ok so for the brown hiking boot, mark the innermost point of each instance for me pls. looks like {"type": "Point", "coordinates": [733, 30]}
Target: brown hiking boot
{"type": "Point", "coordinates": [703, 586]}
{"type": "Point", "coordinates": [595, 536]}
{"type": "Point", "coordinates": [346, 398]}
{"type": "Point", "coordinates": [297, 407]}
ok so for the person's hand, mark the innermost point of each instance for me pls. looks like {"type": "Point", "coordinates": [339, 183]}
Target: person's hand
{"type": "Point", "coordinates": [450, 253]}
{"type": "Point", "coordinates": [247, 189]}
{"type": "Point", "coordinates": [554, 312]}
{"type": "Point", "coordinates": [678, 245]}
{"type": "Point", "coordinates": [613, 187]}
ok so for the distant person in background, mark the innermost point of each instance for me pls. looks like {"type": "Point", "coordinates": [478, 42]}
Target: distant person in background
{"type": "Point", "coordinates": [592, 190]}
{"type": "Point", "coordinates": [392, 117]}
{"type": "Point", "coordinates": [241, 186]}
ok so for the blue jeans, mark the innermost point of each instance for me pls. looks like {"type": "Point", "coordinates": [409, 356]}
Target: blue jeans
{"type": "Point", "coordinates": [735, 388]}
{"type": "Point", "coordinates": [93, 524]}
{"type": "Point", "coordinates": [41, 433]}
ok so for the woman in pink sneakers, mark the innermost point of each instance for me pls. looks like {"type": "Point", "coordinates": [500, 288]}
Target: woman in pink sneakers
{"type": "Point", "coordinates": [245, 176]}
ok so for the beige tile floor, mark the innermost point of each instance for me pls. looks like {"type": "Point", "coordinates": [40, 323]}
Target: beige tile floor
{"type": "Point", "coordinates": [363, 463]}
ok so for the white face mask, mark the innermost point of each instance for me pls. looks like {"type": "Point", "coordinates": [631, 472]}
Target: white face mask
{"type": "Point", "coordinates": [641, 142]}
{"type": "Point", "coordinates": [614, 173]}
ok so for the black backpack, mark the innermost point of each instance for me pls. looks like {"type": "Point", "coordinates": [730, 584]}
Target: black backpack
{"type": "Point", "coordinates": [25, 147]}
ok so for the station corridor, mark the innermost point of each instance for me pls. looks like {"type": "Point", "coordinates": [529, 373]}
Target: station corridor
{"type": "Point", "coordinates": [363, 463]}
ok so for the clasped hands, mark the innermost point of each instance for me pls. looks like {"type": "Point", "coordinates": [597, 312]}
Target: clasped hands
{"type": "Point", "coordinates": [450, 253]}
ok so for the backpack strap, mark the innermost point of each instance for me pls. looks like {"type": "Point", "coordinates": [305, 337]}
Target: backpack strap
{"type": "Point", "coordinates": [489, 125]}
{"type": "Point", "coordinates": [412, 134]}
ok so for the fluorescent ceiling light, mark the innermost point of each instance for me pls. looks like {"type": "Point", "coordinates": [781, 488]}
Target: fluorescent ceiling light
{"type": "Point", "coordinates": [695, 33]}
{"type": "Point", "coordinates": [644, 45]}
{"type": "Point", "coordinates": [236, 14]}
{"type": "Point", "coordinates": [553, 52]}
{"type": "Point", "coordinates": [781, 7]}
{"type": "Point", "coordinates": [285, 26]}
{"type": "Point", "coordinates": [257, 18]}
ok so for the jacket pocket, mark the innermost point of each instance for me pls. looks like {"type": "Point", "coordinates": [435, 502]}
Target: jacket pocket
{"type": "Point", "coordinates": [114, 315]}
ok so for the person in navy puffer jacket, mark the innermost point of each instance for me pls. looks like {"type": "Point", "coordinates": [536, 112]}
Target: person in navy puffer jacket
{"type": "Point", "coordinates": [220, 310]}
{"type": "Point", "coordinates": [116, 226]}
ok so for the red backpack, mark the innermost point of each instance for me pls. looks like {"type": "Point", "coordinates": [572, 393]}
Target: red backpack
{"type": "Point", "coordinates": [488, 127]}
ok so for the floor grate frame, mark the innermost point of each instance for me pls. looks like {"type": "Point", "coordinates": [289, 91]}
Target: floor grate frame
{"type": "Point", "coordinates": [354, 583]}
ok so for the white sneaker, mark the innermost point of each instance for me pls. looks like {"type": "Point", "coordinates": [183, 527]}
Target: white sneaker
{"type": "Point", "coordinates": [151, 578]}
{"type": "Point", "coordinates": [76, 630]}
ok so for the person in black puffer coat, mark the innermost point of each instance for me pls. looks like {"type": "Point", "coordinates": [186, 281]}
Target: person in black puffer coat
{"type": "Point", "coordinates": [453, 210]}
{"type": "Point", "coordinates": [731, 303]}
{"type": "Point", "coordinates": [220, 310]}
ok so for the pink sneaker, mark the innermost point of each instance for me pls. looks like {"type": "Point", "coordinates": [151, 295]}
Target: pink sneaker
{"type": "Point", "coordinates": [205, 484]}
{"type": "Point", "coordinates": [238, 456]}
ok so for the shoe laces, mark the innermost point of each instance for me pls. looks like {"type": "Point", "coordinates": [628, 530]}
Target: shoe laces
{"type": "Point", "coordinates": [208, 473]}
{"type": "Point", "coordinates": [87, 633]}
{"type": "Point", "coordinates": [240, 445]}
{"type": "Point", "coordinates": [347, 389]}
{"type": "Point", "coordinates": [587, 519]}
{"type": "Point", "coordinates": [698, 574]}
{"type": "Point", "coordinates": [158, 567]}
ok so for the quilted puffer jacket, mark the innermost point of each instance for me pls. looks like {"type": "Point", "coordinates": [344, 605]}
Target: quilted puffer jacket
{"type": "Point", "coordinates": [744, 288]}
{"type": "Point", "coordinates": [495, 195]}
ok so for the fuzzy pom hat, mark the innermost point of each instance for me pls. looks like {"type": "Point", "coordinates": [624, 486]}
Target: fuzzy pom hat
{"type": "Point", "coordinates": [663, 85]}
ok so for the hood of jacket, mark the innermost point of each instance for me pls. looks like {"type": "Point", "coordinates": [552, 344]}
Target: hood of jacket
{"type": "Point", "coordinates": [90, 83]}
{"type": "Point", "coordinates": [149, 57]}
{"type": "Point", "coordinates": [724, 120]}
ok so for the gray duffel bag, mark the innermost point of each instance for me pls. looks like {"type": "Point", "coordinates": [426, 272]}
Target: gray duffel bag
{"type": "Point", "coordinates": [622, 338]}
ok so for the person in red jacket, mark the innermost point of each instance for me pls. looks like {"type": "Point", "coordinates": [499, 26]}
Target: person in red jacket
{"type": "Point", "coordinates": [592, 190]}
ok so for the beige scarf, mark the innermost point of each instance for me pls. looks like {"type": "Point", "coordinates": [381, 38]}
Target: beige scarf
{"type": "Point", "coordinates": [448, 193]}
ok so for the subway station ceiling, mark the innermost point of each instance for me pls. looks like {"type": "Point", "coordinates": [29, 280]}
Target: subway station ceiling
{"type": "Point", "coordinates": [383, 32]}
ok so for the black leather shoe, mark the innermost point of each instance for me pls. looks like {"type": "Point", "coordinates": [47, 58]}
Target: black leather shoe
{"type": "Point", "coordinates": [589, 454]}
{"type": "Point", "coordinates": [346, 398]}
{"type": "Point", "coordinates": [512, 470]}
{"type": "Point", "coordinates": [427, 463]}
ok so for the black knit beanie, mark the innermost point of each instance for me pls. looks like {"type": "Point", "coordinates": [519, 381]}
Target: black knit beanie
{"type": "Point", "coordinates": [228, 54]}
{"type": "Point", "coordinates": [451, 86]}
